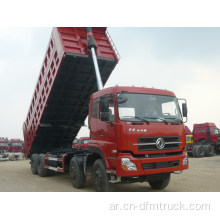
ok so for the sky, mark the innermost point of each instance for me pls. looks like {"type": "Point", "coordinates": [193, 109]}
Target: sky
{"type": "Point", "coordinates": [182, 60]}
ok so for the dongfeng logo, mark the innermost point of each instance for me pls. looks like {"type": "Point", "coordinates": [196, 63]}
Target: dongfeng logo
{"type": "Point", "coordinates": [160, 143]}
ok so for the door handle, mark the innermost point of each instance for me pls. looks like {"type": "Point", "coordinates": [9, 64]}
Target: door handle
{"type": "Point", "coordinates": [100, 134]}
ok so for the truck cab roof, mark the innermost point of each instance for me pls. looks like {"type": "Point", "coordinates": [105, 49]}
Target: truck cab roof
{"type": "Point", "coordinates": [118, 89]}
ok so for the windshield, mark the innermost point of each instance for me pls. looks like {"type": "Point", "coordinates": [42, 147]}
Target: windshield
{"type": "Point", "coordinates": [4, 144]}
{"type": "Point", "coordinates": [188, 138]}
{"type": "Point", "coordinates": [16, 144]}
{"type": "Point", "coordinates": [148, 107]}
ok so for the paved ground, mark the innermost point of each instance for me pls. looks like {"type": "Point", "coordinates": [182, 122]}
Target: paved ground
{"type": "Point", "coordinates": [203, 176]}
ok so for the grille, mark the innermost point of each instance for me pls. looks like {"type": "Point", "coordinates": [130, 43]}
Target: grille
{"type": "Point", "coordinates": [151, 143]}
{"type": "Point", "coordinates": [166, 164]}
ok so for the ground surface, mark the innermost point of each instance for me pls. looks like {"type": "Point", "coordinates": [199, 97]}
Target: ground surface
{"type": "Point", "coordinates": [202, 176]}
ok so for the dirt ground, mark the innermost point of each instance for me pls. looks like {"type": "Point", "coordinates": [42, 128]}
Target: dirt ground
{"type": "Point", "coordinates": [202, 176]}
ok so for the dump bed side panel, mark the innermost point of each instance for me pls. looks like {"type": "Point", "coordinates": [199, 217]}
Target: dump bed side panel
{"type": "Point", "coordinates": [59, 105]}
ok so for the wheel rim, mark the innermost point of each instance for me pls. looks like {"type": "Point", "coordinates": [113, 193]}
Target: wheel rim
{"type": "Point", "coordinates": [201, 151]}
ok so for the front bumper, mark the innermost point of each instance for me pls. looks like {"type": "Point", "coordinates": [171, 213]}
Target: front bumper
{"type": "Point", "coordinates": [147, 166]}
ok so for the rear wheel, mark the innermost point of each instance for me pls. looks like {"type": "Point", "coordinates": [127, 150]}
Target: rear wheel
{"type": "Point", "coordinates": [199, 151]}
{"type": "Point", "coordinates": [77, 175]}
{"type": "Point", "coordinates": [34, 161]}
{"type": "Point", "coordinates": [42, 172]}
{"type": "Point", "coordinates": [100, 177]}
{"type": "Point", "coordinates": [160, 184]}
{"type": "Point", "coordinates": [209, 150]}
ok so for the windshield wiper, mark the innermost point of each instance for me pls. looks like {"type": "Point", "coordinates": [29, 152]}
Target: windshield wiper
{"type": "Point", "coordinates": [158, 118]}
{"type": "Point", "coordinates": [142, 119]}
{"type": "Point", "coordinates": [176, 119]}
{"type": "Point", "coordinates": [163, 119]}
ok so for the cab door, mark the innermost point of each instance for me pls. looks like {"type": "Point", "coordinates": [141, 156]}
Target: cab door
{"type": "Point", "coordinates": [107, 129]}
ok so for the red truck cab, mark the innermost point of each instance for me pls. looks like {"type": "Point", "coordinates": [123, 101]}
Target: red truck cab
{"type": "Point", "coordinates": [138, 131]}
{"type": "Point", "coordinates": [83, 142]}
{"type": "Point", "coordinates": [4, 145]}
{"type": "Point", "coordinates": [206, 132]}
{"type": "Point", "coordinates": [16, 146]}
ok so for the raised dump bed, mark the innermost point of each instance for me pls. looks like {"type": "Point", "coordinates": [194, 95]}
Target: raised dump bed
{"type": "Point", "coordinates": [67, 78]}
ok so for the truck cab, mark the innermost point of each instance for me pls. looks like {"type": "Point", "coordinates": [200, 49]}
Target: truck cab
{"type": "Point", "coordinates": [206, 132]}
{"type": "Point", "coordinates": [189, 139]}
{"type": "Point", "coordinates": [16, 146]}
{"type": "Point", "coordinates": [83, 142]}
{"type": "Point", "coordinates": [137, 131]}
{"type": "Point", "coordinates": [4, 145]}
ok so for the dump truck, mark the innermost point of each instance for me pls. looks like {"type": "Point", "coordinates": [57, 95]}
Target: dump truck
{"type": "Point", "coordinates": [206, 140]}
{"type": "Point", "coordinates": [136, 134]}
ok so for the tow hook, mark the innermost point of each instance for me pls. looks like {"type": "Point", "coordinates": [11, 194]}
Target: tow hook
{"type": "Point", "coordinates": [113, 177]}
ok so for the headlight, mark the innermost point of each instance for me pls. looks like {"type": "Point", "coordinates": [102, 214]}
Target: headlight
{"type": "Point", "coordinates": [126, 164]}
{"type": "Point", "coordinates": [185, 160]}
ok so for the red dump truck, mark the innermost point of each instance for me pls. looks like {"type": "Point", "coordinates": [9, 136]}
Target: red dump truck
{"type": "Point", "coordinates": [137, 134]}
{"type": "Point", "coordinates": [4, 145]}
{"type": "Point", "coordinates": [206, 138]}
{"type": "Point", "coordinates": [16, 146]}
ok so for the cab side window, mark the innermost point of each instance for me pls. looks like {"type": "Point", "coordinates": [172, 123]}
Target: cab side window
{"type": "Point", "coordinates": [107, 112]}
{"type": "Point", "coordinates": [215, 131]}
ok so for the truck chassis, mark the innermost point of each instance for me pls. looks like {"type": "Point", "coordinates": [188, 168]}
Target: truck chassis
{"type": "Point", "coordinates": [83, 166]}
{"type": "Point", "coordinates": [203, 149]}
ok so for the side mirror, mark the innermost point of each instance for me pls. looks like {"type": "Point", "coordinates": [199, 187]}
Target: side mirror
{"type": "Point", "coordinates": [104, 107]}
{"type": "Point", "coordinates": [104, 104]}
{"type": "Point", "coordinates": [105, 116]}
{"type": "Point", "coordinates": [184, 109]}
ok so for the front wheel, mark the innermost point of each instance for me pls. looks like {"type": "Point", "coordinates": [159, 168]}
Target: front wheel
{"type": "Point", "coordinates": [34, 162]}
{"type": "Point", "coordinates": [77, 175]}
{"type": "Point", "coordinates": [160, 184]}
{"type": "Point", "coordinates": [42, 172]}
{"type": "Point", "coordinates": [100, 177]}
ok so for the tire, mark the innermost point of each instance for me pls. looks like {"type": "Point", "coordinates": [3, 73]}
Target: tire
{"type": "Point", "coordinates": [194, 150]}
{"type": "Point", "coordinates": [42, 172]}
{"type": "Point", "coordinates": [199, 151]}
{"type": "Point", "coordinates": [160, 184]}
{"type": "Point", "coordinates": [76, 173]}
{"type": "Point", "coordinates": [51, 173]}
{"type": "Point", "coordinates": [209, 150]}
{"type": "Point", "coordinates": [34, 161]}
{"type": "Point", "coordinates": [100, 177]}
